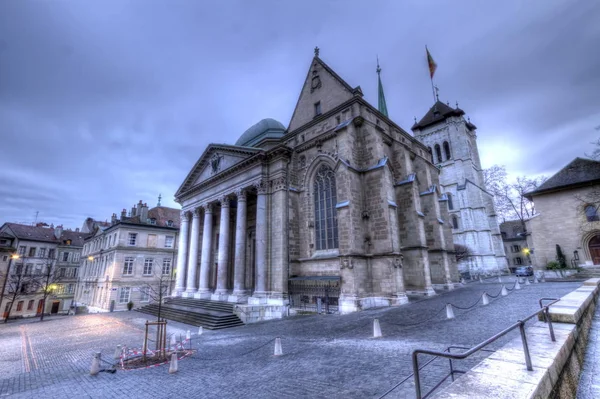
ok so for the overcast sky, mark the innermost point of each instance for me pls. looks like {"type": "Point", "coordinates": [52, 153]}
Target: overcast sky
{"type": "Point", "coordinates": [104, 103]}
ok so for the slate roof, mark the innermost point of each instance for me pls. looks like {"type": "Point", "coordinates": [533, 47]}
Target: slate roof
{"type": "Point", "coordinates": [46, 234]}
{"type": "Point", "coordinates": [162, 214]}
{"type": "Point", "coordinates": [579, 172]}
{"type": "Point", "coordinates": [438, 113]}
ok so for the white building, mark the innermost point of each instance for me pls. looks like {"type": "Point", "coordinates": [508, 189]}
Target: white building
{"type": "Point", "coordinates": [452, 141]}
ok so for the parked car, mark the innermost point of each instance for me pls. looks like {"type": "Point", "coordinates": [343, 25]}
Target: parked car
{"type": "Point", "coordinates": [524, 271]}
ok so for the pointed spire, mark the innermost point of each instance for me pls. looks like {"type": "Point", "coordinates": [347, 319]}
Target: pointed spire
{"type": "Point", "coordinates": [159, 198]}
{"type": "Point", "coordinates": [381, 105]}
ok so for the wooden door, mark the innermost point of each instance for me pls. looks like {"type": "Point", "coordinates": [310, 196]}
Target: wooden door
{"type": "Point", "coordinates": [40, 307]}
{"type": "Point", "coordinates": [594, 247]}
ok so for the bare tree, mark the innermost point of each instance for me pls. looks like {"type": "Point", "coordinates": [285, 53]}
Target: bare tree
{"type": "Point", "coordinates": [47, 282]}
{"type": "Point", "coordinates": [462, 252]}
{"type": "Point", "coordinates": [509, 198]}
{"type": "Point", "coordinates": [596, 153]}
{"type": "Point", "coordinates": [19, 283]}
{"type": "Point", "coordinates": [159, 289]}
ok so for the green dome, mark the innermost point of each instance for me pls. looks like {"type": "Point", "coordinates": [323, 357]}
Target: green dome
{"type": "Point", "coordinates": [266, 128]}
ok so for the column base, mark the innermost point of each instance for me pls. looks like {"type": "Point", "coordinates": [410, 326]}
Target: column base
{"type": "Point", "coordinates": [188, 293]}
{"type": "Point", "coordinates": [399, 299]}
{"type": "Point", "coordinates": [222, 297]}
{"type": "Point", "coordinates": [254, 300]}
{"type": "Point", "coordinates": [429, 291]}
{"type": "Point", "coordinates": [238, 297]}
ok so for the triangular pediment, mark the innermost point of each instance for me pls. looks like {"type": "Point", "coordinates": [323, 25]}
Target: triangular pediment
{"type": "Point", "coordinates": [216, 159]}
{"type": "Point", "coordinates": [322, 86]}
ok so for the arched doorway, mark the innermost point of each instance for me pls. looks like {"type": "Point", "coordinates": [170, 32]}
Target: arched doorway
{"type": "Point", "coordinates": [594, 246]}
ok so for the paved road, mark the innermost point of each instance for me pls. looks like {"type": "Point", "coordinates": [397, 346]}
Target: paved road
{"type": "Point", "coordinates": [330, 356]}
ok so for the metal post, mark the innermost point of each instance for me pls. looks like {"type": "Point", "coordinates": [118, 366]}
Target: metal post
{"type": "Point", "coordinates": [145, 342]}
{"type": "Point", "coordinates": [549, 321]}
{"type": "Point", "coordinates": [525, 346]}
{"type": "Point", "coordinates": [451, 368]}
{"type": "Point", "coordinates": [415, 362]}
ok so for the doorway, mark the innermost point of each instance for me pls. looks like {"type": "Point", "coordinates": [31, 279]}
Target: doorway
{"type": "Point", "coordinates": [55, 306]}
{"type": "Point", "coordinates": [594, 247]}
{"type": "Point", "coordinates": [40, 308]}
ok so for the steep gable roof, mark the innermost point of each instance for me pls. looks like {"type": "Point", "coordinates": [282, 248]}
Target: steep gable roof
{"type": "Point", "coordinates": [323, 85]}
{"type": "Point", "coordinates": [45, 234]}
{"type": "Point", "coordinates": [578, 172]}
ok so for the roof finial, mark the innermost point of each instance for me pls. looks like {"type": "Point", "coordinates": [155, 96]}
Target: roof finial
{"type": "Point", "coordinates": [378, 68]}
{"type": "Point", "coordinates": [437, 93]}
{"type": "Point", "coordinates": [415, 119]}
{"type": "Point", "coordinates": [457, 104]}
{"type": "Point", "coordinates": [159, 198]}
{"type": "Point", "coordinates": [317, 51]}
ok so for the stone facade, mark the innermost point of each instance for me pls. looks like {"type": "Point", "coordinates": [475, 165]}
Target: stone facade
{"type": "Point", "coordinates": [515, 244]}
{"type": "Point", "coordinates": [130, 259]}
{"type": "Point", "coordinates": [343, 195]}
{"type": "Point", "coordinates": [452, 146]}
{"type": "Point", "coordinates": [567, 214]}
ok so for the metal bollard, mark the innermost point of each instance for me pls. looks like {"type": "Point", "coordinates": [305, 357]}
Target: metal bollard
{"type": "Point", "coordinates": [278, 348]}
{"type": "Point", "coordinates": [485, 300]}
{"type": "Point", "coordinates": [449, 311]}
{"type": "Point", "coordinates": [376, 329]}
{"type": "Point", "coordinates": [95, 369]}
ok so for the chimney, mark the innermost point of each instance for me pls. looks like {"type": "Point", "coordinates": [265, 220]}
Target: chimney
{"type": "Point", "coordinates": [58, 231]}
{"type": "Point", "coordinates": [143, 213]}
{"type": "Point", "coordinates": [113, 218]}
{"type": "Point", "coordinates": [139, 207]}
{"type": "Point", "coordinates": [123, 213]}
{"type": "Point", "coordinates": [77, 230]}
{"type": "Point", "coordinates": [133, 211]}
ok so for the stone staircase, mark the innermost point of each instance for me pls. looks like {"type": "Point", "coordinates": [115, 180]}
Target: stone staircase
{"type": "Point", "coordinates": [212, 315]}
{"type": "Point", "coordinates": [588, 272]}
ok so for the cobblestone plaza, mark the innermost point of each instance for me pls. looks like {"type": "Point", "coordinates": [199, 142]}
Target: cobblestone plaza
{"type": "Point", "coordinates": [324, 356]}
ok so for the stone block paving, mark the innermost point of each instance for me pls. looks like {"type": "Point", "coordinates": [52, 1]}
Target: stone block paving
{"type": "Point", "coordinates": [324, 356]}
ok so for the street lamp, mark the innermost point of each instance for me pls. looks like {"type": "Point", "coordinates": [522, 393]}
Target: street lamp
{"type": "Point", "coordinates": [13, 256]}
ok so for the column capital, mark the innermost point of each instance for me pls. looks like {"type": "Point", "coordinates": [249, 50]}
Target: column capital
{"type": "Point", "coordinates": [224, 200]}
{"type": "Point", "coordinates": [208, 207]}
{"type": "Point", "coordinates": [261, 186]}
{"type": "Point", "coordinates": [185, 215]}
{"type": "Point", "coordinates": [241, 194]}
{"type": "Point", "coordinates": [196, 212]}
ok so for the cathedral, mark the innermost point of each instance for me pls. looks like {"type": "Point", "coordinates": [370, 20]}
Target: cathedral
{"type": "Point", "coordinates": [341, 210]}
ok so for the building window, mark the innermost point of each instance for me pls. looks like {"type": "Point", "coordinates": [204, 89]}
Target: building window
{"type": "Point", "coordinates": [42, 252]}
{"type": "Point", "coordinates": [62, 272]}
{"type": "Point", "coordinates": [75, 258]}
{"type": "Point", "coordinates": [153, 221]}
{"type": "Point", "coordinates": [128, 266]}
{"type": "Point", "coordinates": [51, 253]}
{"type": "Point", "coordinates": [454, 222]}
{"type": "Point", "coordinates": [515, 248]}
{"type": "Point", "coordinates": [22, 250]}
{"type": "Point", "coordinates": [438, 153]}
{"type": "Point", "coordinates": [318, 108]}
{"type": "Point", "coordinates": [169, 223]}
{"type": "Point", "coordinates": [144, 294]}
{"type": "Point", "coordinates": [166, 267]}
{"type": "Point", "coordinates": [75, 272]}
{"type": "Point", "coordinates": [450, 204]}
{"type": "Point", "coordinates": [5, 258]}
{"type": "Point", "coordinates": [518, 261]}
{"type": "Point", "coordinates": [132, 238]}
{"type": "Point", "coordinates": [30, 304]}
{"type": "Point", "coordinates": [169, 241]}
{"type": "Point", "coordinates": [447, 150]}
{"type": "Point", "coordinates": [70, 288]}
{"type": "Point", "coordinates": [32, 251]}
{"type": "Point", "coordinates": [124, 294]}
{"type": "Point", "coordinates": [326, 233]}
{"type": "Point", "coordinates": [591, 213]}
{"type": "Point", "coordinates": [28, 269]}
{"type": "Point", "coordinates": [20, 306]}
{"type": "Point", "coordinates": [148, 266]}
{"type": "Point", "coordinates": [65, 256]}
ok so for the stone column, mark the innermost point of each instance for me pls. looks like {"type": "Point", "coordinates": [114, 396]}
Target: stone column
{"type": "Point", "coordinates": [239, 288]}
{"type": "Point", "coordinates": [261, 241]}
{"type": "Point", "coordinates": [223, 257]}
{"type": "Point", "coordinates": [205, 262]}
{"type": "Point", "coordinates": [193, 255]}
{"type": "Point", "coordinates": [182, 253]}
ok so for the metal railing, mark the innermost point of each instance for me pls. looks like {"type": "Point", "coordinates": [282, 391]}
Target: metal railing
{"type": "Point", "coordinates": [459, 356]}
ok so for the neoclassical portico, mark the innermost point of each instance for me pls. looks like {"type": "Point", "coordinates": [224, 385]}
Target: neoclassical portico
{"type": "Point", "coordinates": [228, 267]}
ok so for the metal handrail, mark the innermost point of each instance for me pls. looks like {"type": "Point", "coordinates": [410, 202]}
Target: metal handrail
{"type": "Point", "coordinates": [458, 356]}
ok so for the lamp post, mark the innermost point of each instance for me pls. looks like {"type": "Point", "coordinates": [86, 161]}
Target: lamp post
{"type": "Point", "coordinates": [13, 256]}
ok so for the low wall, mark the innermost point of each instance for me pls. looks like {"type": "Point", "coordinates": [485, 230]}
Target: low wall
{"type": "Point", "coordinates": [556, 365]}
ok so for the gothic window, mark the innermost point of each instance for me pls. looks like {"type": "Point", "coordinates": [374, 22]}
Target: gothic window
{"type": "Point", "coordinates": [326, 233]}
{"type": "Point", "coordinates": [450, 204]}
{"type": "Point", "coordinates": [447, 150]}
{"type": "Point", "coordinates": [318, 108]}
{"type": "Point", "coordinates": [591, 213]}
{"type": "Point", "coordinates": [438, 153]}
{"type": "Point", "coordinates": [454, 222]}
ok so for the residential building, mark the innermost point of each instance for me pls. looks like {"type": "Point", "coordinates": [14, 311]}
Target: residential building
{"type": "Point", "coordinates": [567, 215]}
{"type": "Point", "coordinates": [46, 258]}
{"type": "Point", "coordinates": [129, 259]}
{"type": "Point", "coordinates": [515, 244]}
{"type": "Point", "coordinates": [341, 207]}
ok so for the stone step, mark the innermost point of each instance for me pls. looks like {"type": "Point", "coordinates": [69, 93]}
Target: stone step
{"type": "Point", "coordinates": [212, 315]}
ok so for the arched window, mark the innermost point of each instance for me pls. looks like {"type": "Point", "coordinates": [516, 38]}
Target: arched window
{"type": "Point", "coordinates": [454, 222]}
{"type": "Point", "coordinates": [438, 153]}
{"type": "Point", "coordinates": [326, 233]}
{"type": "Point", "coordinates": [447, 150]}
{"type": "Point", "coordinates": [450, 204]}
{"type": "Point", "coordinates": [591, 213]}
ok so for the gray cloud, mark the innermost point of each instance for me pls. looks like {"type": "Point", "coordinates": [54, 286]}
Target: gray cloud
{"type": "Point", "coordinates": [105, 103]}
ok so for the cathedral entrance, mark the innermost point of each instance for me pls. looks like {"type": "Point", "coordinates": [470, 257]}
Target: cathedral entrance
{"type": "Point", "coordinates": [315, 293]}
{"type": "Point", "coordinates": [594, 246]}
